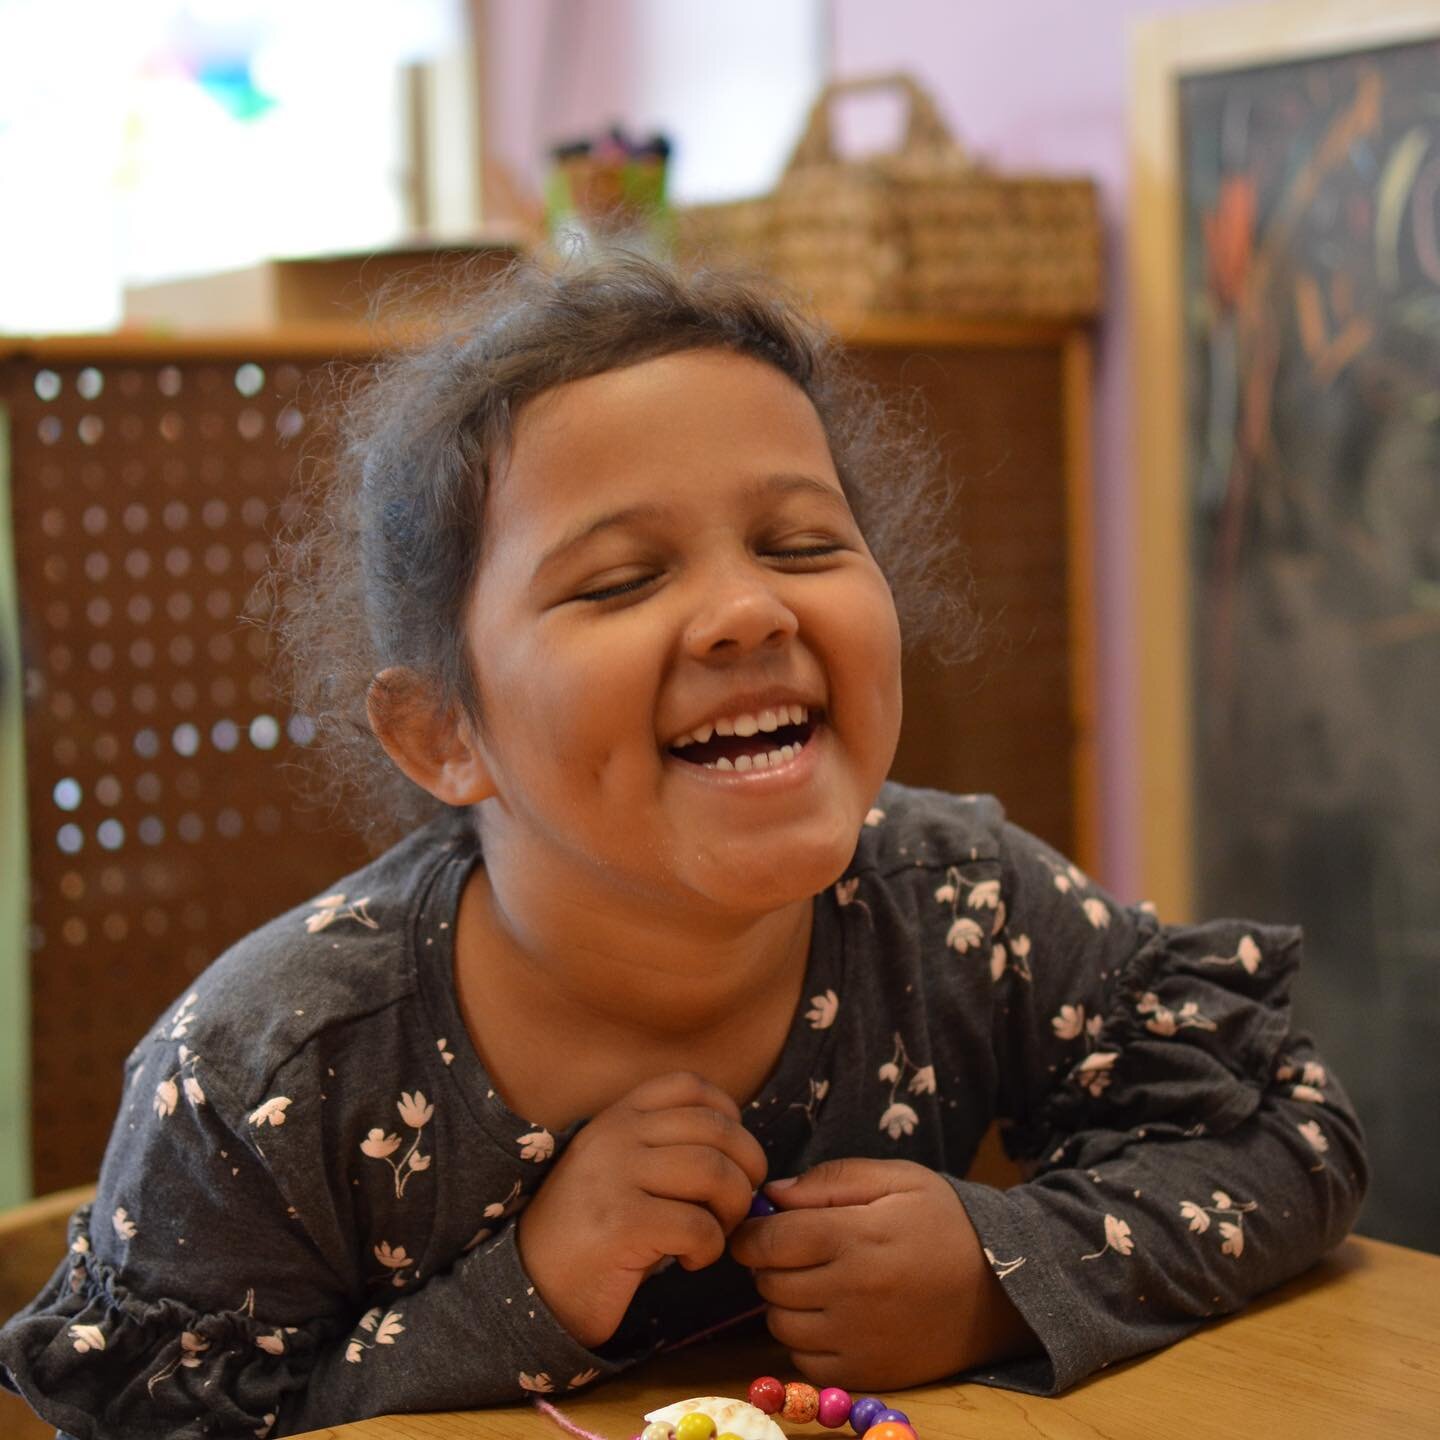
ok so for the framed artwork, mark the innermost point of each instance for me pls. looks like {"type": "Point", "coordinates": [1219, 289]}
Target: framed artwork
{"type": "Point", "coordinates": [1286, 278]}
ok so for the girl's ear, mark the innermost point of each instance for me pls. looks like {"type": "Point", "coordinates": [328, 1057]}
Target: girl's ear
{"type": "Point", "coordinates": [437, 748]}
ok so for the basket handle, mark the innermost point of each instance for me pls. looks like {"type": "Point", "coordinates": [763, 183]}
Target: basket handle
{"type": "Point", "coordinates": [924, 129]}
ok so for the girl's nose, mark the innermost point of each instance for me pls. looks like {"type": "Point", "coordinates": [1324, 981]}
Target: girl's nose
{"type": "Point", "coordinates": [741, 614]}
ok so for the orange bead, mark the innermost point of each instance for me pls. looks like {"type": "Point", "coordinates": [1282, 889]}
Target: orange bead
{"type": "Point", "coordinates": [889, 1430]}
{"type": "Point", "coordinates": [802, 1403]}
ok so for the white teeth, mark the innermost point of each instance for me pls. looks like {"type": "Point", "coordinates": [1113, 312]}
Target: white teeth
{"type": "Point", "coordinates": [777, 757]}
{"type": "Point", "coordinates": [787, 752]}
{"type": "Point", "coordinates": [797, 714]}
{"type": "Point", "coordinates": [762, 760]}
{"type": "Point", "coordinates": [743, 762]}
{"type": "Point", "coordinates": [723, 764]}
{"type": "Point", "coordinates": [709, 764]}
{"type": "Point", "coordinates": [746, 725]}
{"type": "Point", "coordinates": [701, 733]}
{"type": "Point", "coordinates": [768, 720]}
{"type": "Point", "coordinates": [726, 727]}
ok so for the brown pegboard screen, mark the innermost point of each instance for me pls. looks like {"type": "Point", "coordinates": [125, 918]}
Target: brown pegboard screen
{"type": "Point", "coordinates": [162, 826]}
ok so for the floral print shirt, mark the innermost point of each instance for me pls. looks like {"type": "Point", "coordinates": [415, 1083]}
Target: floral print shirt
{"type": "Point", "coordinates": [306, 1211]}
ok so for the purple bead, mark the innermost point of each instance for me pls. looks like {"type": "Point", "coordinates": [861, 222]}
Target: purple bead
{"type": "Point", "coordinates": [898, 1416]}
{"type": "Point", "coordinates": [760, 1206]}
{"type": "Point", "coordinates": [834, 1407]}
{"type": "Point", "coordinates": [863, 1413]}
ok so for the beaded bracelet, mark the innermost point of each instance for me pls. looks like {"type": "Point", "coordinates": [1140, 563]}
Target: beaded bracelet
{"type": "Point", "coordinates": [800, 1403]}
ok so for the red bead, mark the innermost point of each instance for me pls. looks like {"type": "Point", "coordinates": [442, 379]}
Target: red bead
{"type": "Point", "coordinates": [767, 1394]}
{"type": "Point", "coordinates": [889, 1430]}
{"type": "Point", "coordinates": [802, 1402]}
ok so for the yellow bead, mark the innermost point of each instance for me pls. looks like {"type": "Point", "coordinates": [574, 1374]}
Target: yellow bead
{"type": "Point", "coordinates": [695, 1426]}
{"type": "Point", "coordinates": [728, 1435]}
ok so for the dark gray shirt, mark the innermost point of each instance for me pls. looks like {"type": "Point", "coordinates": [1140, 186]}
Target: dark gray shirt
{"type": "Point", "coordinates": [306, 1211]}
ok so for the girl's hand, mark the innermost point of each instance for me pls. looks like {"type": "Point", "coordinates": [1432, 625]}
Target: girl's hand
{"type": "Point", "coordinates": [667, 1170]}
{"type": "Point", "coordinates": [875, 1277]}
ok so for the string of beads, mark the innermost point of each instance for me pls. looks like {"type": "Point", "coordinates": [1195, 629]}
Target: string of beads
{"type": "Point", "coordinates": [870, 1418]}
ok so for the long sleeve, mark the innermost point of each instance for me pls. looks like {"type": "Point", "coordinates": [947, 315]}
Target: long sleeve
{"type": "Point", "coordinates": [1186, 1150]}
{"type": "Point", "coordinates": [203, 1295]}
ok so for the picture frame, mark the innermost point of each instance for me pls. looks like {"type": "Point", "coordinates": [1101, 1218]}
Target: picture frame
{"type": "Point", "coordinates": [1167, 52]}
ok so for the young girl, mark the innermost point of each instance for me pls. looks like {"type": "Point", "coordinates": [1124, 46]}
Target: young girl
{"type": "Point", "coordinates": [614, 574]}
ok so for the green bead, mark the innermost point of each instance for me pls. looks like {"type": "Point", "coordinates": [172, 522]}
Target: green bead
{"type": "Point", "coordinates": [695, 1426]}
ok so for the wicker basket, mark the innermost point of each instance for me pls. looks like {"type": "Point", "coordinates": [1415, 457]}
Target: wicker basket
{"type": "Point", "coordinates": [923, 229]}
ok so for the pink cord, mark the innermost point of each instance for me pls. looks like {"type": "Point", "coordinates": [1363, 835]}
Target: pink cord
{"type": "Point", "coordinates": [565, 1423]}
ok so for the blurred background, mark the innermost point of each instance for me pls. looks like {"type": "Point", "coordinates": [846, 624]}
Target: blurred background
{"type": "Point", "coordinates": [1165, 279]}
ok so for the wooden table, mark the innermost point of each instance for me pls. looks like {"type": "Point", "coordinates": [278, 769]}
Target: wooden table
{"type": "Point", "coordinates": [1350, 1349]}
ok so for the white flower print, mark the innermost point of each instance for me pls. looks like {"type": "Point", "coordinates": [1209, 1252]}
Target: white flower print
{"type": "Point", "coordinates": [416, 1111]}
{"type": "Point", "coordinates": [193, 1092]}
{"type": "Point", "coordinates": [1117, 1238]}
{"type": "Point", "coordinates": [1308, 1093]}
{"type": "Point", "coordinates": [899, 1120]}
{"type": "Point", "coordinates": [272, 1112]}
{"type": "Point", "coordinates": [874, 816]}
{"type": "Point", "coordinates": [984, 896]}
{"type": "Point", "coordinates": [586, 1376]}
{"type": "Point", "coordinates": [1247, 956]}
{"type": "Point", "coordinates": [377, 1144]}
{"type": "Point", "coordinates": [819, 1089]}
{"type": "Point", "coordinates": [269, 1424]}
{"type": "Point", "coordinates": [945, 895]}
{"type": "Point", "coordinates": [1092, 1074]}
{"type": "Point", "coordinates": [1002, 1268]}
{"type": "Point", "coordinates": [333, 908]}
{"type": "Point", "coordinates": [823, 1009]}
{"type": "Point", "coordinates": [87, 1338]}
{"type": "Point", "coordinates": [997, 961]}
{"type": "Point", "coordinates": [1069, 1023]}
{"type": "Point", "coordinates": [180, 1020]}
{"type": "Point", "coordinates": [273, 1344]}
{"type": "Point", "coordinates": [497, 1210]}
{"type": "Point", "coordinates": [192, 1347]}
{"type": "Point", "coordinates": [396, 1261]}
{"type": "Point", "coordinates": [384, 1331]}
{"type": "Point", "coordinates": [166, 1095]}
{"type": "Point", "coordinates": [1314, 1136]}
{"type": "Point", "coordinates": [1231, 1220]}
{"type": "Point", "coordinates": [1097, 912]}
{"type": "Point", "coordinates": [540, 1384]}
{"type": "Point", "coordinates": [446, 1055]}
{"type": "Point", "coordinates": [124, 1225]}
{"type": "Point", "coordinates": [1313, 1073]}
{"type": "Point", "coordinates": [964, 934]}
{"type": "Point", "coordinates": [1164, 1021]}
{"type": "Point", "coordinates": [844, 893]}
{"type": "Point", "coordinates": [538, 1146]}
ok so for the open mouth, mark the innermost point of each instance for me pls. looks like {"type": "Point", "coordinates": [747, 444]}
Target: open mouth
{"type": "Point", "coordinates": [759, 750]}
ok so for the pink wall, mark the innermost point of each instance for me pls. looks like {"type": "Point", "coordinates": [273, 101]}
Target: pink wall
{"type": "Point", "coordinates": [1043, 84]}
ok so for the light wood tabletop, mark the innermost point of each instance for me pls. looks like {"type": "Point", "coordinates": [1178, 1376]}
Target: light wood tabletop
{"type": "Point", "coordinates": [1352, 1349]}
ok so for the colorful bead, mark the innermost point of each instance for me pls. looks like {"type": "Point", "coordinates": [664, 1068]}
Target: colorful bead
{"type": "Point", "coordinates": [802, 1403]}
{"type": "Point", "coordinates": [695, 1426]}
{"type": "Point", "coordinates": [834, 1407]}
{"type": "Point", "coordinates": [897, 1417]}
{"type": "Point", "coordinates": [863, 1413]}
{"type": "Point", "coordinates": [728, 1435]}
{"type": "Point", "coordinates": [658, 1430]}
{"type": "Point", "coordinates": [767, 1394]}
{"type": "Point", "coordinates": [760, 1207]}
{"type": "Point", "coordinates": [889, 1430]}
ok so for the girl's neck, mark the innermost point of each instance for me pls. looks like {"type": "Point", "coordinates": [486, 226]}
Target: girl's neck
{"type": "Point", "coordinates": [619, 995]}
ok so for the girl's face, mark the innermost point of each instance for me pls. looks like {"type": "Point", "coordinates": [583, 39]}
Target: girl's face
{"type": "Point", "coordinates": [671, 563]}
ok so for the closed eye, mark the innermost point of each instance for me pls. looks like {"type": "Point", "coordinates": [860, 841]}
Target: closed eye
{"type": "Point", "coordinates": [804, 552]}
{"type": "Point", "coordinates": [614, 592]}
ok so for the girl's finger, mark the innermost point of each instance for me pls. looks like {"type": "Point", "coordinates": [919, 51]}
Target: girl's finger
{"type": "Point", "coordinates": [701, 1125]}
{"type": "Point", "coordinates": [677, 1089]}
{"type": "Point", "coordinates": [796, 1289]}
{"type": "Point", "coordinates": [699, 1174]}
{"type": "Point", "coordinates": [791, 1239]}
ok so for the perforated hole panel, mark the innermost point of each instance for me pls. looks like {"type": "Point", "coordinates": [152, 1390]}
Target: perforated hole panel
{"type": "Point", "coordinates": [146, 492]}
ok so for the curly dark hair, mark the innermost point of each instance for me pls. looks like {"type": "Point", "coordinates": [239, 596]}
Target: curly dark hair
{"type": "Point", "coordinates": [377, 570]}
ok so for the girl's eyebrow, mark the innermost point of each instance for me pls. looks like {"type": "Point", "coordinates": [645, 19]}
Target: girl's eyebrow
{"type": "Point", "coordinates": [765, 485]}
